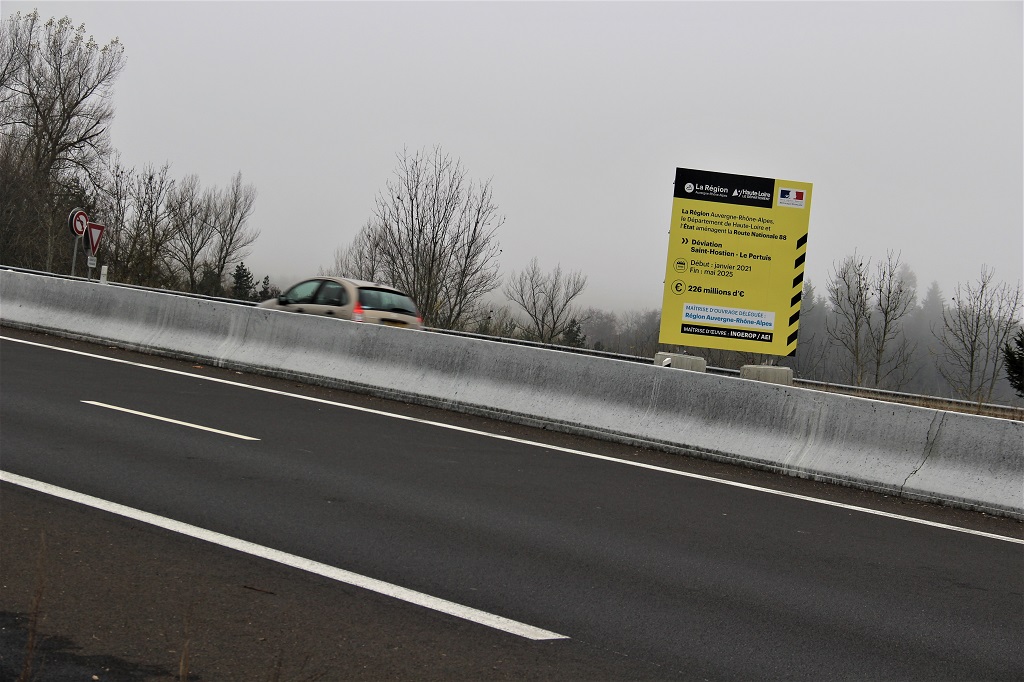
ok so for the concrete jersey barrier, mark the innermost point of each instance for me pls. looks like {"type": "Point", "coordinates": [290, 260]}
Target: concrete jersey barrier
{"type": "Point", "coordinates": [952, 458]}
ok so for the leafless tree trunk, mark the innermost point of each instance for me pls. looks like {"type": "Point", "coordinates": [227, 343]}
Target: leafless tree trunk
{"type": "Point", "coordinates": [975, 327]}
{"type": "Point", "coordinates": [546, 298]}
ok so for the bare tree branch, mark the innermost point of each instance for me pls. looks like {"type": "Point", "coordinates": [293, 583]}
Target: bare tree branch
{"type": "Point", "coordinates": [546, 299]}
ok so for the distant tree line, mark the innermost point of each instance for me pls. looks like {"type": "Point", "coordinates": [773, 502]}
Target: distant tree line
{"type": "Point", "coordinates": [870, 329]}
{"type": "Point", "coordinates": [56, 106]}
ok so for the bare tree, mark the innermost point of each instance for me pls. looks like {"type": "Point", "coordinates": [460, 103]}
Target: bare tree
{"type": "Point", "coordinates": [894, 296]}
{"type": "Point", "coordinates": [849, 297]}
{"type": "Point", "coordinates": [57, 85]}
{"type": "Point", "coordinates": [868, 309]}
{"type": "Point", "coordinates": [497, 321]}
{"type": "Point", "coordinates": [639, 331]}
{"type": "Point", "coordinates": [151, 228]}
{"type": "Point", "coordinates": [437, 231]}
{"type": "Point", "coordinates": [190, 210]}
{"type": "Point", "coordinates": [601, 328]}
{"type": "Point", "coordinates": [433, 235]}
{"type": "Point", "coordinates": [341, 266]}
{"type": "Point", "coordinates": [547, 299]}
{"type": "Point", "coordinates": [13, 185]}
{"type": "Point", "coordinates": [229, 216]}
{"type": "Point", "coordinates": [114, 204]}
{"type": "Point", "coordinates": [362, 259]}
{"type": "Point", "coordinates": [171, 234]}
{"type": "Point", "coordinates": [975, 328]}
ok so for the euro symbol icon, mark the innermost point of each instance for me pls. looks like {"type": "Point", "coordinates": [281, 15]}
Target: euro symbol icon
{"type": "Point", "coordinates": [678, 286]}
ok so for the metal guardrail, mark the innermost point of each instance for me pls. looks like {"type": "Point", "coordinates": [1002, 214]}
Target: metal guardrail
{"type": "Point", "coordinates": [935, 402]}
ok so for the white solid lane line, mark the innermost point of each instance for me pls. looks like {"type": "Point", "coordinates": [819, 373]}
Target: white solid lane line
{"type": "Point", "coordinates": [555, 448]}
{"type": "Point", "coordinates": [341, 575]}
{"type": "Point", "coordinates": [169, 421]}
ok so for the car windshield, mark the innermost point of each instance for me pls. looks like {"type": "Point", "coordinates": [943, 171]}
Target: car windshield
{"type": "Point", "coordinates": [386, 299]}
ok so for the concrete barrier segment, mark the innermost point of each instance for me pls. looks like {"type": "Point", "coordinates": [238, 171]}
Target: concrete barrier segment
{"type": "Point", "coordinates": [955, 459]}
{"type": "Point", "coordinates": [770, 374]}
{"type": "Point", "coordinates": [692, 363]}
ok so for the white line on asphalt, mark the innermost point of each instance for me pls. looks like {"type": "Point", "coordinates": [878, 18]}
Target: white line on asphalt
{"type": "Point", "coordinates": [556, 448]}
{"type": "Point", "coordinates": [341, 575]}
{"type": "Point", "coordinates": [169, 421]}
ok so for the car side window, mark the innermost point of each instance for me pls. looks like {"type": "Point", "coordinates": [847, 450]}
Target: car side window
{"type": "Point", "coordinates": [331, 293]}
{"type": "Point", "coordinates": [303, 292]}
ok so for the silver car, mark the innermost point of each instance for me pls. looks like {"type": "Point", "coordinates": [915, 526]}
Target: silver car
{"type": "Point", "coordinates": [349, 299]}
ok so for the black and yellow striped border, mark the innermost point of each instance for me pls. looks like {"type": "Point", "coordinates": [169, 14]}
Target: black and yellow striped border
{"type": "Point", "coordinates": [798, 292]}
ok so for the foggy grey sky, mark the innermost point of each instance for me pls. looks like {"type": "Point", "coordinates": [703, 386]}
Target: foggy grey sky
{"type": "Point", "coordinates": [907, 117]}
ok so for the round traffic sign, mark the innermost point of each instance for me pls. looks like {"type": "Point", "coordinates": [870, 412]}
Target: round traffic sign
{"type": "Point", "coordinates": [78, 222]}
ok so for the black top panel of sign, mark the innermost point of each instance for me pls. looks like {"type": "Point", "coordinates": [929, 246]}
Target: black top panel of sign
{"type": "Point", "coordinates": [724, 188]}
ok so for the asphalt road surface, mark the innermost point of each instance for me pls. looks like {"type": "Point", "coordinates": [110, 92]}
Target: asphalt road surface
{"type": "Point", "coordinates": [162, 520]}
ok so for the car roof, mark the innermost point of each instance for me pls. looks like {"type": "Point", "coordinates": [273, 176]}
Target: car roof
{"type": "Point", "coordinates": [362, 283]}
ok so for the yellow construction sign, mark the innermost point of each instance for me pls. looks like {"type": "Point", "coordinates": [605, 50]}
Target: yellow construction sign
{"type": "Point", "coordinates": [735, 262]}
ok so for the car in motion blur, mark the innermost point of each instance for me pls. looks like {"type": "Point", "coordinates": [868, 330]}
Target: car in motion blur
{"type": "Point", "coordinates": [349, 299]}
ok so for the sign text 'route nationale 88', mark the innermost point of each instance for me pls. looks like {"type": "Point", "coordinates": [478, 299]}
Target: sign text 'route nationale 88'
{"type": "Point", "coordinates": [735, 262]}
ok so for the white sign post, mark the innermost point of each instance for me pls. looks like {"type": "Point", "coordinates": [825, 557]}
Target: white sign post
{"type": "Point", "coordinates": [78, 223]}
{"type": "Point", "coordinates": [81, 228]}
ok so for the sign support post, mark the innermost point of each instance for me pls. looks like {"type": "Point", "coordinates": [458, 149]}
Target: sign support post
{"type": "Point", "coordinates": [78, 223]}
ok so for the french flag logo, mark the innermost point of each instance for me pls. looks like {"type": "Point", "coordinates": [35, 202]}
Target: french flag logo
{"type": "Point", "coordinates": [791, 197]}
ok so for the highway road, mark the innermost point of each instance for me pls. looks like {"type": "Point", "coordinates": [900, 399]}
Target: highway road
{"type": "Point", "coordinates": [457, 548]}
